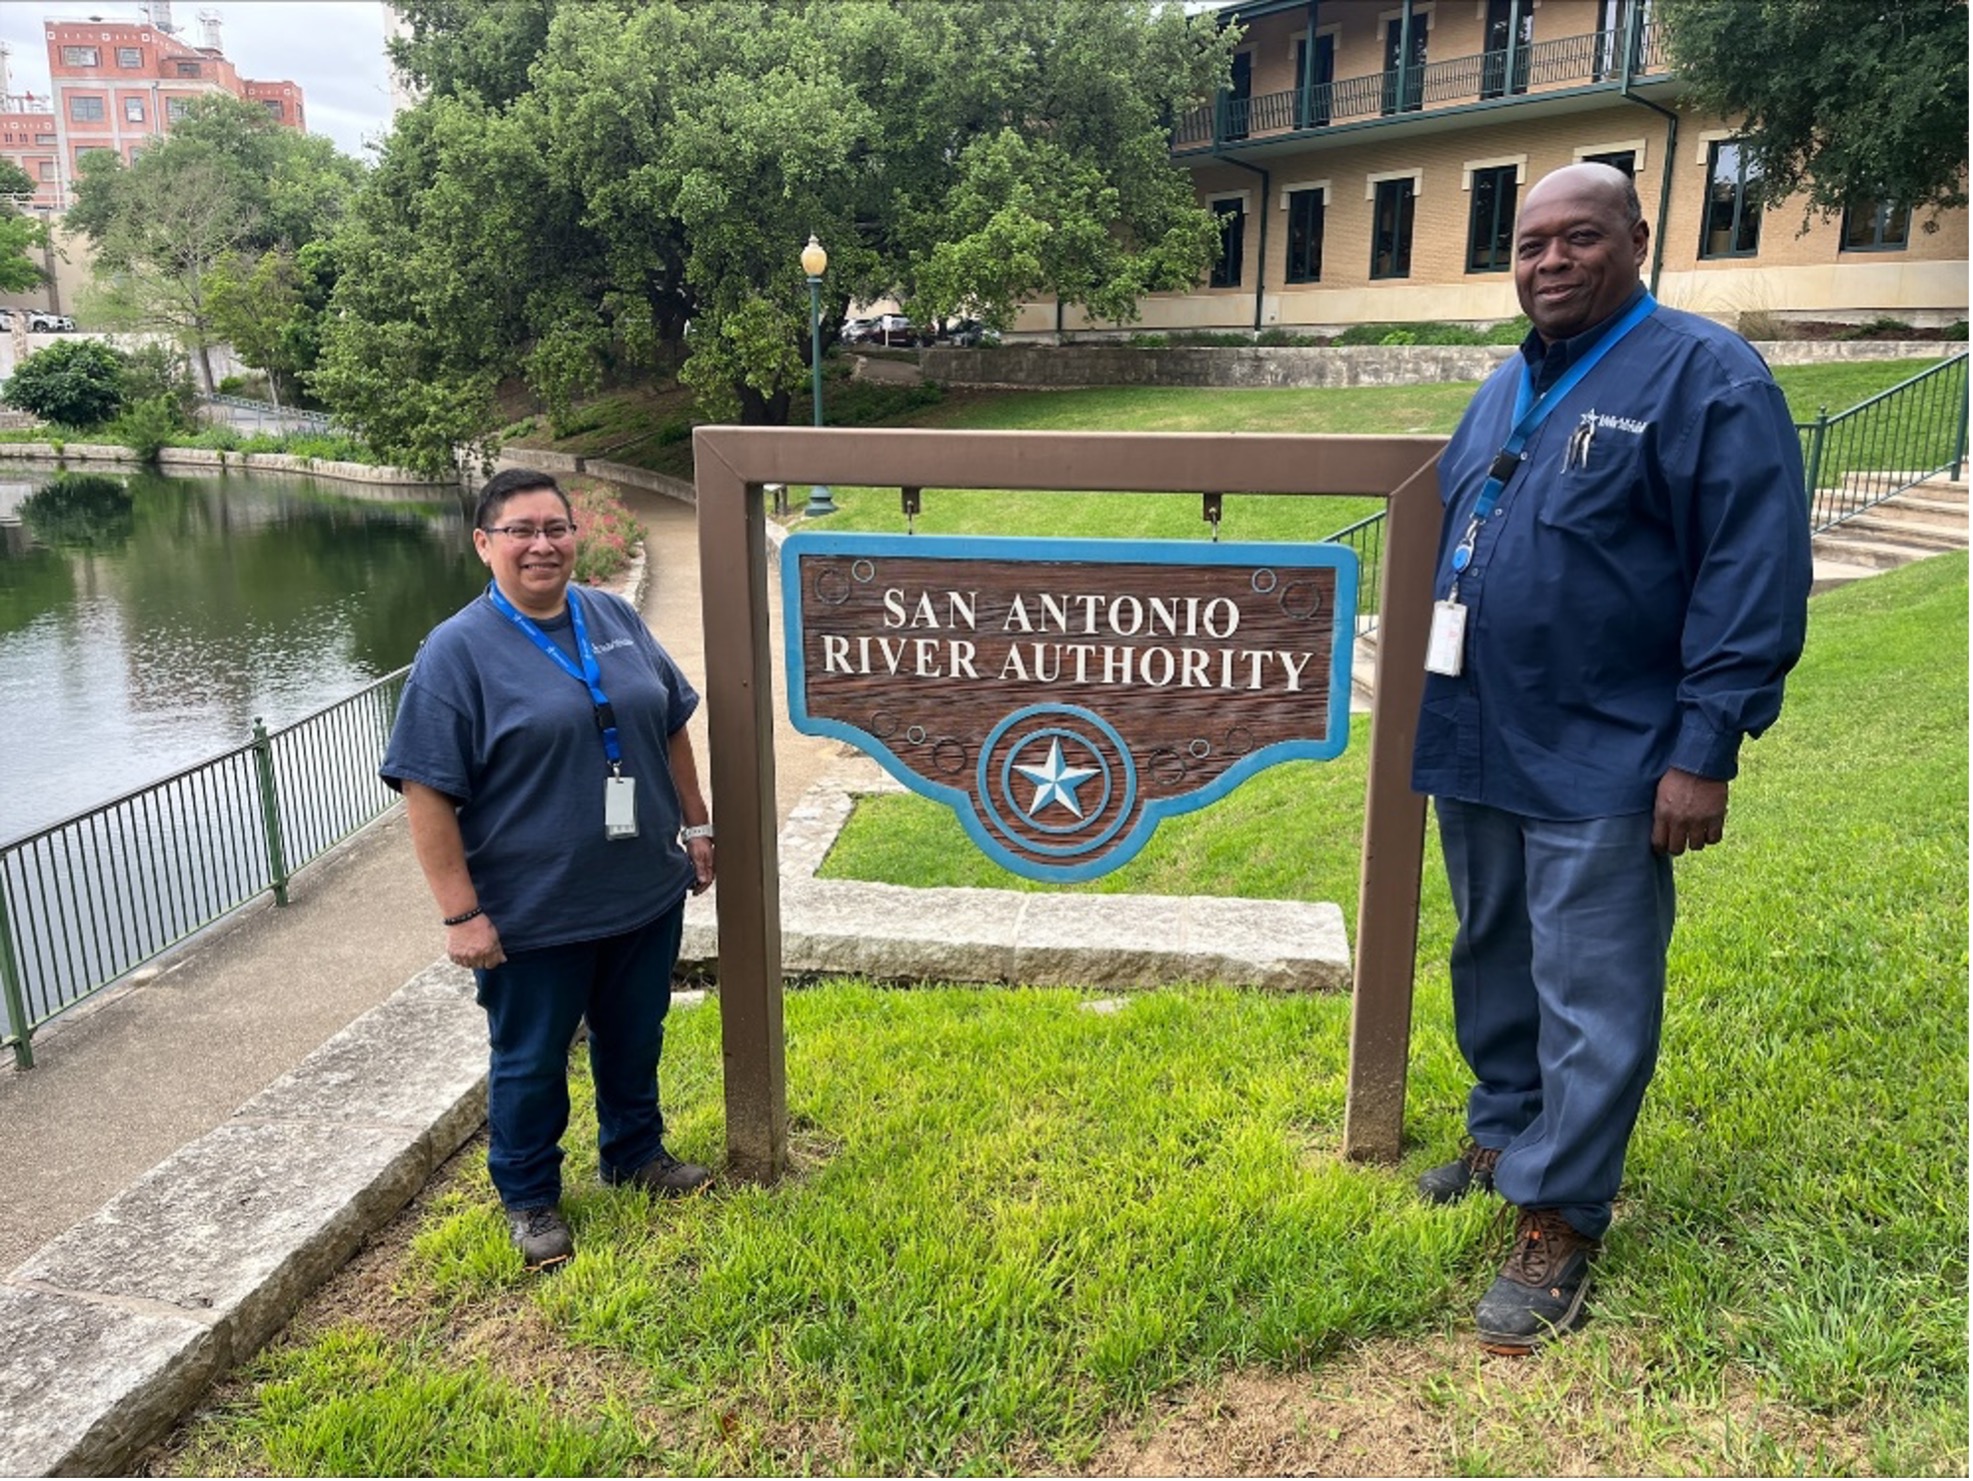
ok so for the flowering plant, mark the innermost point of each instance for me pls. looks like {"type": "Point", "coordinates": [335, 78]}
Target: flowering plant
{"type": "Point", "coordinates": [606, 535]}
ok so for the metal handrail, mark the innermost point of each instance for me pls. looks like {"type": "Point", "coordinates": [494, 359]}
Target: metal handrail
{"type": "Point", "coordinates": [317, 419]}
{"type": "Point", "coordinates": [86, 900]}
{"type": "Point", "coordinates": [1594, 56]}
{"type": "Point", "coordinates": [1885, 444]}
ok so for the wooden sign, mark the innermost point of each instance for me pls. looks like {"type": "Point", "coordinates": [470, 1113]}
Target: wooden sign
{"type": "Point", "coordinates": [1065, 696]}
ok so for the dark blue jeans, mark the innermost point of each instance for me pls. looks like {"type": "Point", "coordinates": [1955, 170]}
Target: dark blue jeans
{"type": "Point", "coordinates": [533, 1001]}
{"type": "Point", "coordinates": [1558, 995]}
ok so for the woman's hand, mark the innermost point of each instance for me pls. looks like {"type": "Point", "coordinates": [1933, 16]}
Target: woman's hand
{"type": "Point", "coordinates": [474, 943]}
{"type": "Point", "coordinates": [699, 851]}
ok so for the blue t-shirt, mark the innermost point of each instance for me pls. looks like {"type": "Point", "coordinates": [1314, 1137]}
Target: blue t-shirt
{"type": "Point", "coordinates": [492, 722]}
{"type": "Point", "coordinates": [1630, 609]}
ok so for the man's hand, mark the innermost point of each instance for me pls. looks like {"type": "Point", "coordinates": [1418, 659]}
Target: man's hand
{"type": "Point", "coordinates": [1691, 813]}
{"type": "Point", "coordinates": [474, 943]}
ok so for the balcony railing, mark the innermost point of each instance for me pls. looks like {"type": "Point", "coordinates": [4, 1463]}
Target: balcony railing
{"type": "Point", "coordinates": [1563, 62]}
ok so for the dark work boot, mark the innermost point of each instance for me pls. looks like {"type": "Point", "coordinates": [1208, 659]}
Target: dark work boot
{"type": "Point", "coordinates": [663, 1174]}
{"type": "Point", "coordinates": [1452, 1181]}
{"type": "Point", "coordinates": [1540, 1290]}
{"type": "Point", "coordinates": [542, 1237]}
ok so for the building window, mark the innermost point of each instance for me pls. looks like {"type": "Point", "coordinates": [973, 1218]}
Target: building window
{"type": "Point", "coordinates": [86, 110]}
{"type": "Point", "coordinates": [133, 110]}
{"type": "Point", "coordinates": [1490, 231]}
{"type": "Point", "coordinates": [1616, 159]}
{"type": "Point", "coordinates": [1876, 226]}
{"type": "Point", "coordinates": [1412, 84]}
{"type": "Point", "coordinates": [273, 106]}
{"type": "Point", "coordinates": [81, 56]}
{"type": "Point", "coordinates": [1305, 236]}
{"type": "Point", "coordinates": [44, 138]}
{"type": "Point", "coordinates": [176, 108]}
{"type": "Point", "coordinates": [1501, 24]}
{"type": "Point", "coordinates": [47, 169]}
{"type": "Point", "coordinates": [188, 69]}
{"type": "Point", "coordinates": [1733, 224]}
{"type": "Point", "coordinates": [1232, 243]}
{"type": "Point", "coordinates": [129, 57]}
{"type": "Point", "coordinates": [1390, 240]}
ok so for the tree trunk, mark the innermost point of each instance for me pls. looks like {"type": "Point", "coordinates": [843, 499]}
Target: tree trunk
{"type": "Point", "coordinates": [757, 410]}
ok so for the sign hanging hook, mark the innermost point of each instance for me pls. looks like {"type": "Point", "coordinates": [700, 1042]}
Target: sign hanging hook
{"type": "Point", "coordinates": [1212, 512]}
{"type": "Point", "coordinates": [911, 502]}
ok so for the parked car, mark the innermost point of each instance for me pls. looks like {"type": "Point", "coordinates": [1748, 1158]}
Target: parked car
{"type": "Point", "coordinates": [895, 329]}
{"type": "Point", "coordinates": [857, 331]}
{"type": "Point", "coordinates": [43, 323]}
{"type": "Point", "coordinates": [967, 333]}
{"type": "Point", "coordinates": [6, 319]}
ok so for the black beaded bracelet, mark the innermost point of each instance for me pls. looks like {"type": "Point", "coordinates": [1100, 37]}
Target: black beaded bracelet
{"type": "Point", "coordinates": [460, 920]}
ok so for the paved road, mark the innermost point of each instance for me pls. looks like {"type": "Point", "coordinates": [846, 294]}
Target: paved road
{"type": "Point", "coordinates": [126, 1080]}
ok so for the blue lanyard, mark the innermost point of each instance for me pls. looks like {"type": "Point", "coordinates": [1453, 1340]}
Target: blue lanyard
{"type": "Point", "coordinates": [590, 676]}
{"type": "Point", "coordinates": [1529, 414]}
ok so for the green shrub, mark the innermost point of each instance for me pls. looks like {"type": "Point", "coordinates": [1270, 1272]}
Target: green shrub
{"type": "Point", "coordinates": [1882, 327]}
{"type": "Point", "coordinates": [1399, 337]}
{"type": "Point", "coordinates": [1430, 332]}
{"type": "Point", "coordinates": [1280, 338]}
{"type": "Point", "coordinates": [159, 372]}
{"type": "Point", "coordinates": [146, 426]}
{"type": "Point", "coordinates": [606, 534]}
{"type": "Point", "coordinates": [221, 437]}
{"type": "Point", "coordinates": [1955, 331]}
{"type": "Point", "coordinates": [78, 382]}
{"type": "Point", "coordinates": [230, 385]}
{"type": "Point", "coordinates": [678, 429]}
{"type": "Point", "coordinates": [1148, 341]}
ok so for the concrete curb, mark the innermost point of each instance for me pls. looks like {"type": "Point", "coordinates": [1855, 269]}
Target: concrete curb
{"type": "Point", "coordinates": [898, 933]}
{"type": "Point", "coordinates": [118, 1326]}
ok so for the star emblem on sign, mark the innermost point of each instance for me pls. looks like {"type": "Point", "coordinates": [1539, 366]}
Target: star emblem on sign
{"type": "Point", "coordinates": [1056, 781]}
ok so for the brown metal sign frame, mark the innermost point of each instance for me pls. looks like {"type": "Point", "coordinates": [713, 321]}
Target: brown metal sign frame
{"type": "Point", "coordinates": [733, 466]}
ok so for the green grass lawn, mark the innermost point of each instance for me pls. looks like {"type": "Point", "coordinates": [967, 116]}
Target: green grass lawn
{"type": "Point", "coordinates": [1022, 1231]}
{"type": "Point", "coordinates": [1355, 411]}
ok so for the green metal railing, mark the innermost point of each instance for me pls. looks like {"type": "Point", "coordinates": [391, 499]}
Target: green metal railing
{"type": "Point", "coordinates": [1566, 61]}
{"type": "Point", "coordinates": [93, 897]}
{"type": "Point", "coordinates": [1881, 447]}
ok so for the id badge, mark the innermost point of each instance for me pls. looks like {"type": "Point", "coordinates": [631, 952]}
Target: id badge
{"type": "Point", "coordinates": [620, 807]}
{"type": "Point", "coordinates": [1445, 650]}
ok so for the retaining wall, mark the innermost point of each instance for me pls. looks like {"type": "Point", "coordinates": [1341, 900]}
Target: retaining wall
{"type": "Point", "coordinates": [391, 481]}
{"type": "Point", "coordinates": [1075, 366]}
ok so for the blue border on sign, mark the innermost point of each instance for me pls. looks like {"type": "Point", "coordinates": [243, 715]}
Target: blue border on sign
{"type": "Point", "coordinates": [1259, 555]}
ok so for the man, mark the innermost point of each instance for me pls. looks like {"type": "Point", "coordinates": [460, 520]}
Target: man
{"type": "Point", "coordinates": [1622, 587]}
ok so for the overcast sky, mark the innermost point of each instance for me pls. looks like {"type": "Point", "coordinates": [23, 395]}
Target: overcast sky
{"type": "Point", "coordinates": [333, 48]}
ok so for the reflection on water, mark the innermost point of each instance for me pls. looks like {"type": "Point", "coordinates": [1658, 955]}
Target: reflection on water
{"type": "Point", "coordinates": [146, 621]}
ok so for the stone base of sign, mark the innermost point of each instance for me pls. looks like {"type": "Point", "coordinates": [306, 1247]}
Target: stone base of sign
{"type": "Point", "coordinates": [894, 933]}
{"type": "Point", "coordinates": [116, 1327]}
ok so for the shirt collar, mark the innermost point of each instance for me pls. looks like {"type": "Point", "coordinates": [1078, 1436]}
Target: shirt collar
{"type": "Point", "coordinates": [1547, 362]}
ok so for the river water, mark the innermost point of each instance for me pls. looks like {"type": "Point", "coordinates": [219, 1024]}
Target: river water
{"type": "Point", "coordinates": [146, 621]}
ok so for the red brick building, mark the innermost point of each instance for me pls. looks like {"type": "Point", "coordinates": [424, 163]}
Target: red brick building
{"type": "Point", "coordinates": [120, 84]}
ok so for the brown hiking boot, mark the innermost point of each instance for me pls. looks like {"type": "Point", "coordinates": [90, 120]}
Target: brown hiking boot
{"type": "Point", "coordinates": [1452, 1181]}
{"type": "Point", "coordinates": [1539, 1292]}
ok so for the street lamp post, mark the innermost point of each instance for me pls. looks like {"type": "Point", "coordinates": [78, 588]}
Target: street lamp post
{"type": "Point", "coordinates": [815, 262]}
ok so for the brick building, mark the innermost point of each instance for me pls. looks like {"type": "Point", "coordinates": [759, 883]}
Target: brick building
{"type": "Point", "coordinates": [1367, 160]}
{"type": "Point", "coordinates": [120, 84]}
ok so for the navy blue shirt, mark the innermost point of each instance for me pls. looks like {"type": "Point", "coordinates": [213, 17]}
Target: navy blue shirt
{"type": "Point", "coordinates": [1637, 610]}
{"type": "Point", "coordinates": [492, 722]}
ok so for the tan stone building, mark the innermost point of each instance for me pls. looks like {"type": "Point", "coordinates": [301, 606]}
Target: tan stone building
{"type": "Point", "coordinates": [1369, 156]}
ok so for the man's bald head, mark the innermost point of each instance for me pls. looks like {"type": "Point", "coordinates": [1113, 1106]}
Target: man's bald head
{"type": "Point", "coordinates": [1578, 246]}
{"type": "Point", "coordinates": [1594, 179]}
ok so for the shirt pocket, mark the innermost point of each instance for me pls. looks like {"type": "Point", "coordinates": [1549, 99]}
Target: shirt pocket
{"type": "Point", "coordinates": [1601, 497]}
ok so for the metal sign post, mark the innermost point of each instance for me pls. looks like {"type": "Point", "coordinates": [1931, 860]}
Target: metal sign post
{"type": "Point", "coordinates": [734, 464]}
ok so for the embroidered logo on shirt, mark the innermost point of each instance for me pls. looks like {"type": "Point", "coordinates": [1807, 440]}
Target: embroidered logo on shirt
{"type": "Point", "coordinates": [611, 646]}
{"type": "Point", "coordinates": [1617, 424]}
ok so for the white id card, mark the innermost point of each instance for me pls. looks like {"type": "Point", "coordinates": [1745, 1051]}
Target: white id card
{"type": "Point", "coordinates": [1445, 650]}
{"type": "Point", "coordinates": [620, 807]}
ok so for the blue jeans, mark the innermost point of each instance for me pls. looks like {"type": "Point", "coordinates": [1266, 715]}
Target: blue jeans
{"type": "Point", "coordinates": [533, 1001]}
{"type": "Point", "coordinates": [1558, 995]}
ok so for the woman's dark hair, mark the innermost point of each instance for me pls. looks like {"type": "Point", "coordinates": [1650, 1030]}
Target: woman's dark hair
{"type": "Point", "coordinates": [504, 486]}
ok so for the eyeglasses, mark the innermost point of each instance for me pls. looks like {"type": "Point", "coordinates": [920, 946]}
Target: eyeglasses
{"type": "Point", "coordinates": [556, 530]}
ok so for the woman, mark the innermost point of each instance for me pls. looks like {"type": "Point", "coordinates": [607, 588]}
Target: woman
{"type": "Point", "coordinates": [541, 749]}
